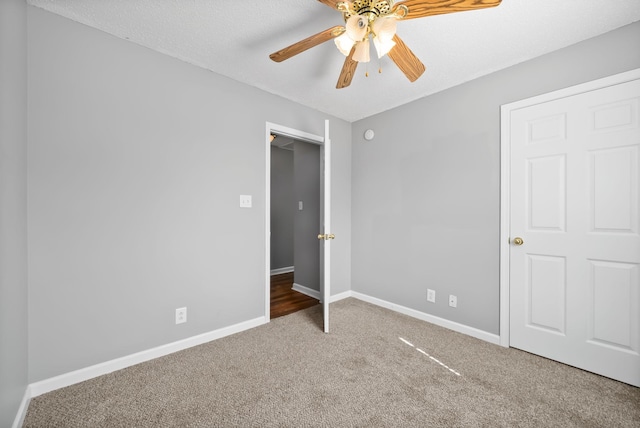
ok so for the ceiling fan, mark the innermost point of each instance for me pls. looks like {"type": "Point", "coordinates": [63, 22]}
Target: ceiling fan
{"type": "Point", "coordinates": [376, 20]}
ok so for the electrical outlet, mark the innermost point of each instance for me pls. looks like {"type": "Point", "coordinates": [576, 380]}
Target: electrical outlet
{"type": "Point", "coordinates": [181, 315]}
{"type": "Point", "coordinates": [431, 295]}
{"type": "Point", "coordinates": [245, 201]}
{"type": "Point", "coordinates": [453, 301]}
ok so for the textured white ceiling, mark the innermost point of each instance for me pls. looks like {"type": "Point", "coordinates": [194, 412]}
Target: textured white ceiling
{"type": "Point", "coordinates": [235, 37]}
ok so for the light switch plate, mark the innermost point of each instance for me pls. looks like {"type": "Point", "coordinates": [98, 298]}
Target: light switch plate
{"type": "Point", "coordinates": [245, 201]}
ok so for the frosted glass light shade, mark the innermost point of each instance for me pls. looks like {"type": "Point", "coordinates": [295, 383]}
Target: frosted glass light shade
{"type": "Point", "coordinates": [383, 48]}
{"type": "Point", "coordinates": [344, 43]}
{"type": "Point", "coordinates": [384, 29]}
{"type": "Point", "coordinates": [362, 51]}
{"type": "Point", "coordinates": [357, 27]}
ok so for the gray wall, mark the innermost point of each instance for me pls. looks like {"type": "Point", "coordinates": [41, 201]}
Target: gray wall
{"type": "Point", "coordinates": [426, 190]}
{"type": "Point", "coordinates": [306, 171]}
{"type": "Point", "coordinates": [136, 164]}
{"type": "Point", "coordinates": [283, 204]}
{"type": "Point", "coordinates": [13, 191]}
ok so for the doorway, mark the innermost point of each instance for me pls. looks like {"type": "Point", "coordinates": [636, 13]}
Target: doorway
{"type": "Point", "coordinates": [295, 221]}
{"type": "Point", "coordinates": [570, 245]}
{"type": "Point", "coordinates": [324, 236]}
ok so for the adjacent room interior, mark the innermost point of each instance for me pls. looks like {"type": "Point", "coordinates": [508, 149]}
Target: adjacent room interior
{"type": "Point", "coordinates": [295, 222]}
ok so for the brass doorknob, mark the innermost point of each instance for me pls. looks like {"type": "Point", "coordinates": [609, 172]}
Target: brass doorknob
{"type": "Point", "coordinates": [518, 241]}
{"type": "Point", "coordinates": [326, 236]}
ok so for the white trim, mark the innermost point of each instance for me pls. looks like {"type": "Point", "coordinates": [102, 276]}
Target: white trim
{"type": "Point", "coordinates": [505, 222]}
{"type": "Point", "coordinates": [325, 258]}
{"type": "Point", "coordinates": [451, 325]}
{"type": "Point", "coordinates": [282, 270]}
{"type": "Point", "coordinates": [505, 185]}
{"type": "Point", "coordinates": [306, 291]}
{"type": "Point", "coordinates": [22, 410]}
{"type": "Point", "coordinates": [285, 131]}
{"type": "Point", "coordinates": [340, 296]}
{"type": "Point", "coordinates": [57, 382]}
{"type": "Point", "coordinates": [460, 328]}
{"type": "Point", "coordinates": [296, 134]}
{"type": "Point", "coordinates": [267, 222]}
{"type": "Point", "coordinates": [604, 82]}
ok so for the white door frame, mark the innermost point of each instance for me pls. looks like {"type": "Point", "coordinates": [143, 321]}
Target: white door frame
{"type": "Point", "coordinates": [505, 176]}
{"type": "Point", "coordinates": [285, 131]}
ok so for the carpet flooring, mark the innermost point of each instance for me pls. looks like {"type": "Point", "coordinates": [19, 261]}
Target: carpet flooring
{"type": "Point", "coordinates": [377, 368]}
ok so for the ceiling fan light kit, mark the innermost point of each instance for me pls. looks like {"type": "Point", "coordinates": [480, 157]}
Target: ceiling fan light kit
{"type": "Point", "coordinates": [359, 29]}
{"type": "Point", "coordinates": [377, 20]}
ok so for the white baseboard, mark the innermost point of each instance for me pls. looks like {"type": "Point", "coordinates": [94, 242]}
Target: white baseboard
{"type": "Point", "coordinates": [278, 271]}
{"type": "Point", "coordinates": [306, 290]}
{"type": "Point", "coordinates": [316, 294]}
{"type": "Point", "coordinates": [38, 388]}
{"type": "Point", "coordinates": [451, 325]}
{"type": "Point", "coordinates": [57, 382]}
{"type": "Point", "coordinates": [340, 296]}
{"type": "Point", "coordinates": [22, 410]}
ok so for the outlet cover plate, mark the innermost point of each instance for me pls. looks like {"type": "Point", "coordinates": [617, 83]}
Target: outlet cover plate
{"type": "Point", "coordinates": [453, 301]}
{"type": "Point", "coordinates": [431, 295]}
{"type": "Point", "coordinates": [245, 201]}
{"type": "Point", "coordinates": [181, 315]}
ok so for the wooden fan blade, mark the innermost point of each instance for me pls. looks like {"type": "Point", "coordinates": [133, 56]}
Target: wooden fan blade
{"type": "Point", "coordinates": [348, 70]}
{"type": "Point", "coordinates": [422, 8]}
{"type": "Point", "coordinates": [406, 60]}
{"type": "Point", "coordinates": [307, 43]}
{"type": "Point", "coordinates": [330, 3]}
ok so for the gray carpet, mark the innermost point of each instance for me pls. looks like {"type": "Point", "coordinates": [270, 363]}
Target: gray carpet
{"type": "Point", "coordinates": [289, 374]}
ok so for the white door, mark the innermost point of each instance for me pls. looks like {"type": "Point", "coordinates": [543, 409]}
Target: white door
{"type": "Point", "coordinates": [573, 274]}
{"type": "Point", "coordinates": [325, 235]}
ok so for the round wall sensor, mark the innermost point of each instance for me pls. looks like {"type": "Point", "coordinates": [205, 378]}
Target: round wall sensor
{"type": "Point", "coordinates": [369, 134]}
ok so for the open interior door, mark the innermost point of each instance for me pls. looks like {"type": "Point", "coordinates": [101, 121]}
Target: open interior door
{"type": "Point", "coordinates": [325, 235]}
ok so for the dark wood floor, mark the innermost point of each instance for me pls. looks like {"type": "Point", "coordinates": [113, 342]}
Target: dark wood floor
{"type": "Point", "coordinates": [284, 300]}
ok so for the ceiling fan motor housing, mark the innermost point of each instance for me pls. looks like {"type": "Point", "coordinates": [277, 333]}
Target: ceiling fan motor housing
{"type": "Point", "coordinates": [370, 8]}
